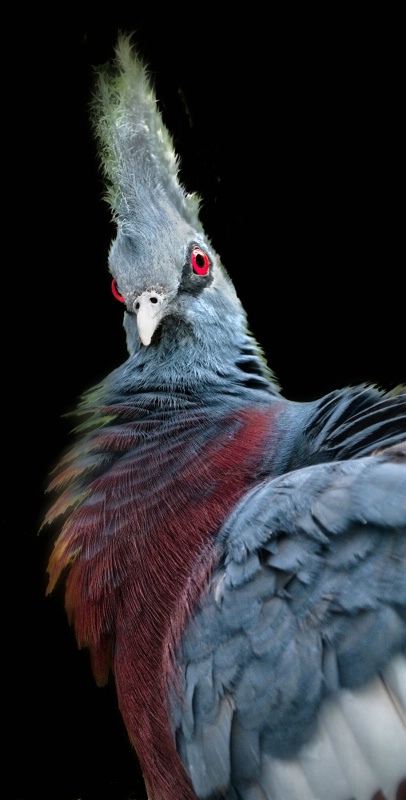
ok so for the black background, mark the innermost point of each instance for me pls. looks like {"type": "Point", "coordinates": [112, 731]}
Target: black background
{"type": "Point", "coordinates": [290, 130]}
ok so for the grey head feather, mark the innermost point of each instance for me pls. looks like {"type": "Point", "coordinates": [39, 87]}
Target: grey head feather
{"type": "Point", "coordinates": [155, 217]}
{"type": "Point", "coordinates": [138, 156]}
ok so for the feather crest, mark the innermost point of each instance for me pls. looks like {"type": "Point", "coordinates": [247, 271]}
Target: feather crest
{"type": "Point", "coordinates": [136, 149]}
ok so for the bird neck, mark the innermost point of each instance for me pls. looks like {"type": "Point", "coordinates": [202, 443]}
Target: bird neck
{"type": "Point", "coordinates": [190, 373]}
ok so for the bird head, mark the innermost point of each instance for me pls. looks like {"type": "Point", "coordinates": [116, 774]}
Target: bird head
{"type": "Point", "coordinates": [165, 271]}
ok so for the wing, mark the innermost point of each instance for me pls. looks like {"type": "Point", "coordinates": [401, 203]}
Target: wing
{"type": "Point", "coordinates": [348, 423]}
{"type": "Point", "coordinates": [294, 667]}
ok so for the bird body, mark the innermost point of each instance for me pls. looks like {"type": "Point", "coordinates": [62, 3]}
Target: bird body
{"type": "Point", "coordinates": [234, 558]}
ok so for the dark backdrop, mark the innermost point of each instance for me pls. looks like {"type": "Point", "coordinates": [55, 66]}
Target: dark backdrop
{"type": "Point", "coordinates": [290, 131]}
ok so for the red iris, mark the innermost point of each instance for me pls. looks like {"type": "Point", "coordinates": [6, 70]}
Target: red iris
{"type": "Point", "coordinates": [115, 291]}
{"type": "Point", "coordinates": [200, 261]}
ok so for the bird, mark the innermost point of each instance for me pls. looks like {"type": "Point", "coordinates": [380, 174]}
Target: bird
{"type": "Point", "coordinates": [234, 559]}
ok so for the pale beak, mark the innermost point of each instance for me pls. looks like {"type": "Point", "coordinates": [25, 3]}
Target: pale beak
{"type": "Point", "coordinates": [148, 307]}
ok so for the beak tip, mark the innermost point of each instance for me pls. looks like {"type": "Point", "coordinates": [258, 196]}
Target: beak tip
{"type": "Point", "coordinates": [146, 340]}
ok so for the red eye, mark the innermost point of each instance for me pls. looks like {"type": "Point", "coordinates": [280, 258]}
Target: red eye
{"type": "Point", "coordinates": [200, 261]}
{"type": "Point", "coordinates": [115, 291]}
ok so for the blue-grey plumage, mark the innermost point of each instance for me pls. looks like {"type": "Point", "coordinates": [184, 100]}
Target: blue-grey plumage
{"type": "Point", "coordinates": [306, 606]}
{"type": "Point", "coordinates": [236, 559]}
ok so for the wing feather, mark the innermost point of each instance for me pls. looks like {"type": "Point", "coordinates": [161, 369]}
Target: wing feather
{"type": "Point", "coordinates": [303, 630]}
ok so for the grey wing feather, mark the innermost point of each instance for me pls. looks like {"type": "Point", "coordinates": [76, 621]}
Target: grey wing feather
{"type": "Point", "coordinates": [294, 665]}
